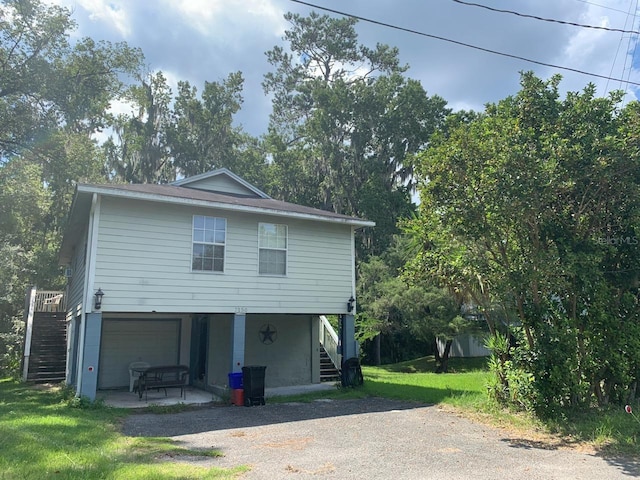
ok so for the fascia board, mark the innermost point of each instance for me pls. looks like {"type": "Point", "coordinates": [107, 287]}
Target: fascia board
{"type": "Point", "coordinates": [222, 206]}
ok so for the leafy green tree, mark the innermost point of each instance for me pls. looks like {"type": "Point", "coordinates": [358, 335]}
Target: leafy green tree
{"type": "Point", "coordinates": [409, 316]}
{"type": "Point", "coordinates": [516, 208]}
{"type": "Point", "coordinates": [345, 124]}
{"type": "Point", "coordinates": [140, 153]}
{"type": "Point", "coordinates": [32, 36]}
{"type": "Point", "coordinates": [54, 96]}
{"type": "Point", "coordinates": [203, 137]}
{"type": "Point", "coordinates": [46, 82]}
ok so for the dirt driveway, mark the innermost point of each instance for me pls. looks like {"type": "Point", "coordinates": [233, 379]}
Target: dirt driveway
{"type": "Point", "coordinates": [369, 439]}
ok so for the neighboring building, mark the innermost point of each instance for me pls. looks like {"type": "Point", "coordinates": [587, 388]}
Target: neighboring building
{"type": "Point", "coordinates": [465, 345]}
{"type": "Point", "coordinates": [208, 272]}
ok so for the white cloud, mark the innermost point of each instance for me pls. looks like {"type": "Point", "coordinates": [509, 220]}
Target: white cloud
{"type": "Point", "coordinates": [228, 17]}
{"type": "Point", "coordinates": [606, 53]}
{"type": "Point", "coordinates": [200, 40]}
{"type": "Point", "coordinates": [112, 13]}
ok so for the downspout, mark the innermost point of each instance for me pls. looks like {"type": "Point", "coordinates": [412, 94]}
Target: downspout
{"type": "Point", "coordinates": [89, 271]}
{"type": "Point", "coordinates": [353, 267]}
{"type": "Point", "coordinates": [356, 347]}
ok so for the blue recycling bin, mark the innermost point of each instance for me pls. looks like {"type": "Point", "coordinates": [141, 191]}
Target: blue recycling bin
{"type": "Point", "coordinates": [235, 381]}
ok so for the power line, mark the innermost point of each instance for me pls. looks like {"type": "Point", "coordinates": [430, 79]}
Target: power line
{"type": "Point", "coordinates": [524, 15]}
{"type": "Point", "coordinates": [601, 6]}
{"type": "Point", "coordinates": [456, 42]}
{"type": "Point", "coordinates": [629, 15]}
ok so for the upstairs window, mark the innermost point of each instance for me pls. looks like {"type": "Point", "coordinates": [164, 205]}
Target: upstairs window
{"type": "Point", "coordinates": [209, 237]}
{"type": "Point", "coordinates": [272, 246]}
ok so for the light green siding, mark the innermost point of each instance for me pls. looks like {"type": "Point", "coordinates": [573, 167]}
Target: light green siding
{"type": "Point", "coordinates": [143, 263]}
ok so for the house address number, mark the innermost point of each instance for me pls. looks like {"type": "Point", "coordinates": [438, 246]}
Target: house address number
{"type": "Point", "coordinates": [241, 310]}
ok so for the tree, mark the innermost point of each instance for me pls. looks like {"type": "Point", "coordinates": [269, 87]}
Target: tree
{"type": "Point", "coordinates": [345, 123]}
{"type": "Point", "coordinates": [54, 96]}
{"type": "Point", "coordinates": [412, 315]}
{"type": "Point", "coordinates": [202, 135]}
{"type": "Point", "coordinates": [515, 203]}
{"type": "Point", "coordinates": [31, 39]}
{"type": "Point", "coordinates": [140, 152]}
{"type": "Point", "coordinates": [45, 82]}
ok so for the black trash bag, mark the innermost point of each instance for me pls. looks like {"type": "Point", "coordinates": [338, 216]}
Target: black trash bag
{"type": "Point", "coordinates": [351, 375]}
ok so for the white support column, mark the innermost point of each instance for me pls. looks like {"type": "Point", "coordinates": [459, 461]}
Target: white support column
{"type": "Point", "coordinates": [28, 333]}
{"type": "Point", "coordinates": [238, 329]}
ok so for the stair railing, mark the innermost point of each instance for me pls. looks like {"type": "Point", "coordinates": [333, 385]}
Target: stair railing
{"type": "Point", "coordinates": [49, 301]}
{"type": "Point", "coordinates": [28, 330]}
{"type": "Point", "coordinates": [37, 301]}
{"type": "Point", "coordinates": [329, 340]}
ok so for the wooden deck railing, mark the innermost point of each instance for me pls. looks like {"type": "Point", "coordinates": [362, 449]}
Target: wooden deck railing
{"type": "Point", "coordinates": [49, 301]}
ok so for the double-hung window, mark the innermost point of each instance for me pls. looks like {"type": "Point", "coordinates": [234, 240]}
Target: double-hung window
{"type": "Point", "coordinates": [209, 237]}
{"type": "Point", "coordinates": [272, 246]}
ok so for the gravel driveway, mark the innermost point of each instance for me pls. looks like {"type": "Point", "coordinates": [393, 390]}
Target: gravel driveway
{"type": "Point", "coordinates": [369, 438]}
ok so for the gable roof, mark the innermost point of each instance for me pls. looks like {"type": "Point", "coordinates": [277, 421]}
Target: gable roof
{"type": "Point", "coordinates": [183, 195]}
{"type": "Point", "coordinates": [198, 180]}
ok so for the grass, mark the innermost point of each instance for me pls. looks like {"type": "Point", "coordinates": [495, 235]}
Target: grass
{"type": "Point", "coordinates": [44, 434]}
{"type": "Point", "coordinates": [48, 434]}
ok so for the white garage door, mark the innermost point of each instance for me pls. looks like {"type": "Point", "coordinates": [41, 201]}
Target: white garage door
{"type": "Point", "coordinates": [124, 341]}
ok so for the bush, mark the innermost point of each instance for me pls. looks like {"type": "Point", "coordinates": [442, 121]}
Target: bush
{"type": "Point", "coordinates": [11, 346]}
{"type": "Point", "coordinates": [511, 383]}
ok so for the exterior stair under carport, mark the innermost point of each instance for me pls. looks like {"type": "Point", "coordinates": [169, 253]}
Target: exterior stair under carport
{"type": "Point", "coordinates": [48, 358]}
{"type": "Point", "coordinates": [328, 371]}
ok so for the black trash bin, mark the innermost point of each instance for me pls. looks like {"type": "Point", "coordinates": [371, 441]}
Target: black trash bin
{"type": "Point", "coordinates": [253, 381]}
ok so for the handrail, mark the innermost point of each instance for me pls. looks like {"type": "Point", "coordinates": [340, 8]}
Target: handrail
{"type": "Point", "coordinates": [329, 340]}
{"type": "Point", "coordinates": [49, 301]}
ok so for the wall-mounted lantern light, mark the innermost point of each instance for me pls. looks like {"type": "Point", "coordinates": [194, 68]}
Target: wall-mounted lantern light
{"type": "Point", "coordinates": [99, 294]}
{"type": "Point", "coordinates": [350, 304]}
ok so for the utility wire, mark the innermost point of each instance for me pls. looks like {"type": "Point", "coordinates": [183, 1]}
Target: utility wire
{"type": "Point", "coordinates": [601, 6]}
{"type": "Point", "coordinates": [635, 45]}
{"type": "Point", "coordinates": [615, 58]}
{"type": "Point", "coordinates": [524, 15]}
{"type": "Point", "coordinates": [475, 47]}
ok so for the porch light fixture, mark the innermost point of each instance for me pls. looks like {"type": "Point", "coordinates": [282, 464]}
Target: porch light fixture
{"type": "Point", "coordinates": [99, 294]}
{"type": "Point", "coordinates": [350, 304]}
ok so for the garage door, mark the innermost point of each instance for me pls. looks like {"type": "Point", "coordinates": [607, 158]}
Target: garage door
{"type": "Point", "coordinates": [124, 341]}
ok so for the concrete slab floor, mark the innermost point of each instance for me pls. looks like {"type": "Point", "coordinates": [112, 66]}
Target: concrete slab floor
{"type": "Point", "coordinates": [194, 396]}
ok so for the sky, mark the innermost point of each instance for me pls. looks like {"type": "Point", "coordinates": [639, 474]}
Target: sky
{"type": "Point", "coordinates": [206, 40]}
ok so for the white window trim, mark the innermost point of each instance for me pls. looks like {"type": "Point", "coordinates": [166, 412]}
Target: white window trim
{"type": "Point", "coordinates": [285, 250]}
{"type": "Point", "coordinates": [224, 258]}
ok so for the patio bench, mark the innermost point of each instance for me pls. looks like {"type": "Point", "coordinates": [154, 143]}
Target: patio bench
{"type": "Point", "coordinates": [165, 376]}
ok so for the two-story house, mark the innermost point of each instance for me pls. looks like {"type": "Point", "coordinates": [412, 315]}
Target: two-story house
{"type": "Point", "coordinates": [208, 272]}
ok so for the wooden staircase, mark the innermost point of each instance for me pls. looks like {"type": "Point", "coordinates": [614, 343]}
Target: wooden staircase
{"type": "Point", "coordinates": [328, 371]}
{"type": "Point", "coordinates": [48, 359]}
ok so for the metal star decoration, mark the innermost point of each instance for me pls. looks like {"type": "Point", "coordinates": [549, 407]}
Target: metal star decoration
{"type": "Point", "coordinates": [268, 334]}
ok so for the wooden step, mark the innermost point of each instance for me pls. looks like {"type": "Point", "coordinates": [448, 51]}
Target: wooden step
{"type": "Point", "coordinates": [328, 371]}
{"type": "Point", "coordinates": [48, 359]}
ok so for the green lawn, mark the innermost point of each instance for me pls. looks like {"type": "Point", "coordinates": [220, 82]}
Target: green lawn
{"type": "Point", "coordinates": [48, 434]}
{"type": "Point", "coordinates": [43, 434]}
